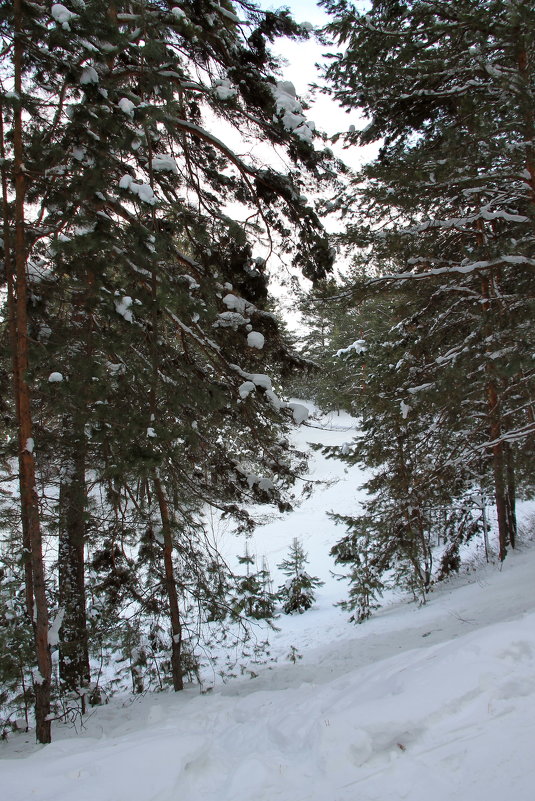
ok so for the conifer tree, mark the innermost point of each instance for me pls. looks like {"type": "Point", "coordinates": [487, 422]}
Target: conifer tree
{"type": "Point", "coordinates": [419, 494]}
{"type": "Point", "coordinates": [330, 323]}
{"type": "Point", "coordinates": [254, 598]}
{"type": "Point", "coordinates": [148, 307]}
{"type": "Point", "coordinates": [297, 593]}
{"type": "Point", "coordinates": [446, 212]}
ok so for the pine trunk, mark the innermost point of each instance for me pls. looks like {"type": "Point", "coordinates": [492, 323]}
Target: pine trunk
{"type": "Point", "coordinates": [12, 328]}
{"type": "Point", "coordinates": [74, 667]}
{"type": "Point", "coordinates": [511, 494]}
{"type": "Point", "coordinates": [28, 493]}
{"type": "Point", "coordinates": [498, 466]}
{"type": "Point", "coordinates": [495, 431]}
{"type": "Point", "coordinates": [74, 664]}
{"type": "Point", "coordinates": [171, 588]}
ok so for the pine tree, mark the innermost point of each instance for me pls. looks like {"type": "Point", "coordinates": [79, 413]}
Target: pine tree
{"type": "Point", "coordinates": [419, 488]}
{"type": "Point", "coordinates": [449, 202]}
{"type": "Point", "coordinates": [16, 254]}
{"type": "Point", "coordinates": [298, 592]}
{"type": "Point", "coordinates": [330, 323]}
{"type": "Point", "coordinates": [254, 598]}
{"type": "Point", "coordinates": [147, 306]}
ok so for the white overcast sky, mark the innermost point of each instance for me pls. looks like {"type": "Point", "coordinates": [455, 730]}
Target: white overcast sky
{"type": "Point", "coordinates": [302, 57]}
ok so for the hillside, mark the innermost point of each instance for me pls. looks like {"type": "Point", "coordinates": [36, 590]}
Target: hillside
{"type": "Point", "coordinates": [416, 703]}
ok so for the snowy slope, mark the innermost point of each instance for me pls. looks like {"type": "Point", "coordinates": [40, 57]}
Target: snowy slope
{"type": "Point", "coordinates": [436, 702]}
{"type": "Point", "coordinates": [335, 489]}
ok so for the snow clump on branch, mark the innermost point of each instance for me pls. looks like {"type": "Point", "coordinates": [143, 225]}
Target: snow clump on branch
{"type": "Point", "coordinates": [62, 15]}
{"type": "Point", "coordinates": [290, 111]}
{"type": "Point", "coordinates": [255, 340]}
{"type": "Point", "coordinates": [224, 90]}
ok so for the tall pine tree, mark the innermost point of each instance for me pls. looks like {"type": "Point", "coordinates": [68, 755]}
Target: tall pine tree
{"type": "Point", "coordinates": [445, 214]}
{"type": "Point", "coordinates": [147, 306]}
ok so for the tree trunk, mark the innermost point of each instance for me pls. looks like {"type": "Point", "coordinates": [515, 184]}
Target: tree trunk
{"type": "Point", "coordinates": [511, 494]}
{"type": "Point", "coordinates": [505, 534]}
{"type": "Point", "coordinates": [12, 328]}
{"type": "Point", "coordinates": [171, 589]}
{"type": "Point", "coordinates": [416, 547]}
{"type": "Point", "coordinates": [74, 664]}
{"type": "Point", "coordinates": [498, 466]}
{"type": "Point", "coordinates": [73, 652]}
{"type": "Point", "coordinates": [28, 493]}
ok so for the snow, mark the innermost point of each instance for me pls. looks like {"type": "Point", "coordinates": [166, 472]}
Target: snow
{"type": "Point", "coordinates": [417, 703]}
{"type": "Point", "coordinates": [255, 340]}
{"type": "Point", "coordinates": [420, 388]}
{"type": "Point", "coordinates": [359, 346]}
{"type": "Point", "coordinates": [30, 445]}
{"type": "Point", "coordinates": [228, 14]}
{"type": "Point", "coordinates": [55, 378]}
{"type": "Point", "coordinates": [258, 379]}
{"type": "Point", "coordinates": [263, 483]}
{"type": "Point", "coordinates": [224, 90]}
{"type": "Point", "coordinates": [299, 411]}
{"type": "Point", "coordinates": [53, 631]}
{"type": "Point", "coordinates": [142, 190]}
{"type": "Point", "coordinates": [237, 304]}
{"type": "Point", "coordinates": [89, 75]}
{"type": "Point", "coordinates": [62, 15]}
{"type": "Point", "coordinates": [230, 320]}
{"type": "Point", "coordinates": [290, 111]}
{"type": "Point", "coordinates": [245, 389]}
{"type": "Point", "coordinates": [127, 106]}
{"type": "Point", "coordinates": [404, 408]}
{"type": "Point", "coordinates": [164, 163]}
{"type": "Point", "coordinates": [122, 307]}
{"type": "Point", "coordinates": [125, 182]}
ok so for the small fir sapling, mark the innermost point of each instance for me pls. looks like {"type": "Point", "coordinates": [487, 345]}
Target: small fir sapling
{"type": "Point", "coordinates": [297, 593]}
{"type": "Point", "coordinates": [255, 598]}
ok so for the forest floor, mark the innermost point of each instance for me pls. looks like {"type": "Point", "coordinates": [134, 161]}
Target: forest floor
{"type": "Point", "coordinates": [417, 703]}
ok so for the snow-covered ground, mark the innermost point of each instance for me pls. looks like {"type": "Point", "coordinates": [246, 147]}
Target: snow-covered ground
{"type": "Point", "coordinates": [418, 703]}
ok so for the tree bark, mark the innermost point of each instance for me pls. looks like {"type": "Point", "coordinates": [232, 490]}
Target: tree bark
{"type": "Point", "coordinates": [28, 493]}
{"type": "Point", "coordinates": [498, 466]}
{"type": "Point", "coordinates": [511, 494]}
{"type": "Point", "coordinates": [171, 588]}
{"type": "Point", "coordinates": [74, 666]}
{"type": "Point", "coordinates": [74, 669]}
{"type": "Point", "coordinates": [497, 448]}
{"type": "Point", "coordinates": [12, 328]}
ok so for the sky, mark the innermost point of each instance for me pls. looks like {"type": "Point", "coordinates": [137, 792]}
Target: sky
{"type": "Point", "coordinates": [302, 58]}
{"type": "Point", "coordinates": [303, 10]}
